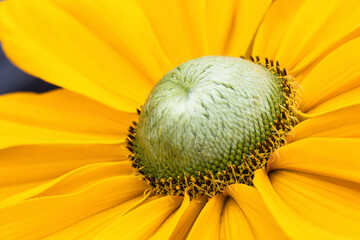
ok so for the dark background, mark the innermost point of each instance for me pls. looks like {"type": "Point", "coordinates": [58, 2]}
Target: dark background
{"type": "Point", "coordinates": [13, 79]}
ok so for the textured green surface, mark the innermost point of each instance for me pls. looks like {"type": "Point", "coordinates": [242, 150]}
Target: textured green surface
{"type": "Point", "coordinates": [205, 114]}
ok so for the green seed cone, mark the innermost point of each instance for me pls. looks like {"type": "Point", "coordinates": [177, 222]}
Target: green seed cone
{"type": "Point", "coordinates": [206, 117]}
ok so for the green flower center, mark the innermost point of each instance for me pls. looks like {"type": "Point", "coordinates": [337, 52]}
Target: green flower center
{"type": "Point", "coordinates": [211, 122]}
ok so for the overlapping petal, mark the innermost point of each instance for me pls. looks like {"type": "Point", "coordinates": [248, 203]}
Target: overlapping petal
{"type": "Point", "coordinates": [25, 167]}
{"type": "Point", "coordinates": [207, 224]}
{"type": "Point", "coordinates": [179, 224]}
{"type": "Point", "coordinates": [124, 26]}
{"type": "Point", "coordinates": [315, 184]}
{"type": "Point", "coordinates": [344, 100]}
{"type": "Point", "coordinates": [53, 210]}
{"type": "Point", "coordinates": [234, 224]}
{"type": "Point", "coordinates": [299, 33]}
{"type": "Point", "coordinates": [82, 177]}
{"type": "Point", "coordinates": [42, 142]}
{"type": "Point", "coordinates": [344, 123]}
{"type": "Point", "coordinates": [336, 74]}
{"type": "Point", "coordinates": [231, 25]}
{"type": "Point", "coordinates": [180, 28]}
{"type": "Point", "coordinates": [248, 218]}
{"type": "Point", "coordinates": [326, 202]}
{"type": "Point", "coordinates": [294, 226]}
{"type": "Point", "coordinates": [190, 29]}
{"type": "Point", "coordinates": [116, 55]}
{"type": "Point", "coordinates": [335, 157]}
{"type": "Point", "coordinates": [142, 222]}
{"type": "Point", "coordinates": [75, 55]}
{"type": "Point", "coordinates": [93, 225]}
{"type": "Point", "coordinates": [75, 119]}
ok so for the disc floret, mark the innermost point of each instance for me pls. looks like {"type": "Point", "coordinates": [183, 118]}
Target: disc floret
{"type": "Point", "coordinates": [211, 122]}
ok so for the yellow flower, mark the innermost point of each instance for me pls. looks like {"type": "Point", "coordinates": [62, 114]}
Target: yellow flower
{"type": "Point", "coordinates": [64, 170]}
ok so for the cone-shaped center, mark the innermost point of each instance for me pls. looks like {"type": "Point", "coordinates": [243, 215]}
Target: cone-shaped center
{"type": "Point", "coordinates": [205, 114]}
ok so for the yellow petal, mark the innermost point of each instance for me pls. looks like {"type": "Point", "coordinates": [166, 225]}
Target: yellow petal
{"type": "Point", "coordinates": [73, 181]}
{"type": "Point", "coordinates": [91, 226]}
{"type": "Point", "coordinates": [91, 57]}
{"type": "Point", "coordinates": [241, 28]}
{"type": "Point", "coordinates": [207, 225]}
{"type": "Point", "coordinates": [328, 203]}
{"type": "Point", "coordinates": [218, 20]}
{"type": "Point", "coordinates": [339, 124]}
{"type": "Point", "coordinates": [25, 164]}
{"type": "Point", "coordinates": [59, 117]}
{"type": "Point", "coordinates": [347, 99]}
{"type": "Point", "coordinates": [7, 191]}
{"type": "Point", "coordinates": [179, 226]}
{"type": "Point", "coordinates": [294, 226]}
{"type": "Point", "coordinates": [190, 29]}
{"type": "Point", "coordinates": [270, 33]}
{"type": "Point", "coordinates": [331, 157]}
{"type": "Point", "coordinates": [234, 224]}
{"type": "Point", "coordinates": [337, 73]}
{"type": "Point", "coordinates": [248, 218]}
{"type": "Point", "coordinates": [299, 32]}
{"type": "Point", "coordinates": [143, 221]}
{"type": "Point", "coordinates": [180, 28]}
{"type": "Point", "coordinates": [39, 217]}
{"type": "Point", "coordinates": [169, 225]}
{"type": "Point", "coordinates": [141, 48]}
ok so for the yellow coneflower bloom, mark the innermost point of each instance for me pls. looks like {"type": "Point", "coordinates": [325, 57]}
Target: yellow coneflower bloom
{"type": "Point", "coordinates": [222, 148]}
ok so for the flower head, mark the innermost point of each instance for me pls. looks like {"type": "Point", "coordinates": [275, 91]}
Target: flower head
{"type": "Point", "coordinates": [65, 166]}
